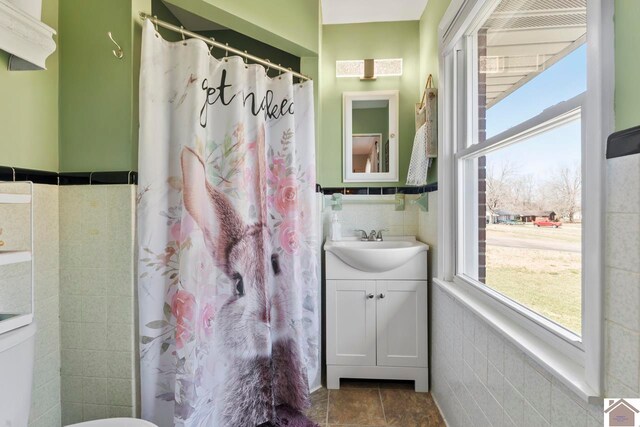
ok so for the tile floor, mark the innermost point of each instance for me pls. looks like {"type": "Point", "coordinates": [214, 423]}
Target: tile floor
{"type": "Point", "coordinates": [374, 404]}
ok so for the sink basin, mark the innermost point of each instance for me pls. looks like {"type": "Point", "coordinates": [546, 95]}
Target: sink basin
{"type": "Point", "coordinates": [376, 257]}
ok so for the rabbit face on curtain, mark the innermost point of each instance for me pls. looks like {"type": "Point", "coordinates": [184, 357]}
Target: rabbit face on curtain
{"type": "Point", "coordinates": [226, 234]}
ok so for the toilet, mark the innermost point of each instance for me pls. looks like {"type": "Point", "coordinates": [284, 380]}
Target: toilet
{"type": "Point", "coordinates": [17, 352]}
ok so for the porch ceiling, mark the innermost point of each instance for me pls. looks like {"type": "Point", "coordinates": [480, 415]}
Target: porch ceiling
{"type": "Point", "coordinates": [525, 37]}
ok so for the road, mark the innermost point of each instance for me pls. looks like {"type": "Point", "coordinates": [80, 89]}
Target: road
{"type": "Point", "coordinates": [514, 242]}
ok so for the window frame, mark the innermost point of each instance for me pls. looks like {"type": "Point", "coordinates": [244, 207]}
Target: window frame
{"type": "Point", "coordinates": [458, 114]}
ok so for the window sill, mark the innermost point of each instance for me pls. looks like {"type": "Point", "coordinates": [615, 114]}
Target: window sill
{"type": "Point", "coordinates": [566, 370]}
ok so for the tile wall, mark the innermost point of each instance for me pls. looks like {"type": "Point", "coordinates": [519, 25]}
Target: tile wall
{"type": "Point", "coordinates": [428, 230]}
{"type": "Point", "coordinates": [45, 400]}
{"type": "Point", "coordinates": [622, 277]}
{"type": "Point", "coordinates": [373, 216]}
{"type": "Point", "coordinates": [97, 302]}
{"type": "Point", "coordinates": [479, 378]}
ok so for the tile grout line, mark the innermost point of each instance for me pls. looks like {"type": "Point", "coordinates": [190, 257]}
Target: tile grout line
{"type": "Point", "coordinates": [326, 415]}
{"type": "Point", "coordinates": [382, 405]}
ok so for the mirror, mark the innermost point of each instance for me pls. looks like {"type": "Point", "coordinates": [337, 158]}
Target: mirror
{"type": "Point", "coordinates": [370, 136]}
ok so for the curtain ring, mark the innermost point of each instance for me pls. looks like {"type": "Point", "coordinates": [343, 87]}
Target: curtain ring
{"type": "Point", "coordinates": [155, 20]}
{"type": "Point", "coordinates": [268, 67]}
{"type": "Point", "coordinates": [211, 47]}
{"type": "Point", "coordinates": [246, 60]}
{"type": "Point", "coordinates": [182, 32]}
{"type": "Point", "coordinates": [226, 53]}
{"type": "Point", "coordinates": [280, 72]}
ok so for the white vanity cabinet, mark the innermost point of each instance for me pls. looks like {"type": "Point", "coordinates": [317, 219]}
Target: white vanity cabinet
{"type": "Point", "coordinates": [376, 322]}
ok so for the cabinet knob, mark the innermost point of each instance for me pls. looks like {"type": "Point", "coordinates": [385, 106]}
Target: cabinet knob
{"type": "Point", "coordinates": [370, 296]}
{"type": "Point", "coordinates": [381, 296]}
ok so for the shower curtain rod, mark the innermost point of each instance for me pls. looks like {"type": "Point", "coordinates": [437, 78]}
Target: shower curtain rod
{"type": "Point", "coordinates": [212, 42]}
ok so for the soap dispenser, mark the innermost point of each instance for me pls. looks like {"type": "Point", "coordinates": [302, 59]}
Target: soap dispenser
{"type": "Point", "coordinates": [335, 233]}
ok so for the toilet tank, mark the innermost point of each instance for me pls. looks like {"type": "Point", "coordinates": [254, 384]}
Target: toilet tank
{"type": "Point", "coordinates": [16, 374]}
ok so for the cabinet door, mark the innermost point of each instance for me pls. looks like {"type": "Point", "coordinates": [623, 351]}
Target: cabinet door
{"type": "Point", "coordinates": [402, 323]}
{"type": "Point", "coordinates": [351, 322]}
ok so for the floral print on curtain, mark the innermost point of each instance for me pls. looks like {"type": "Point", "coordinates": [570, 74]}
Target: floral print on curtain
{"type": "Point", "coordinates": [227, 238]}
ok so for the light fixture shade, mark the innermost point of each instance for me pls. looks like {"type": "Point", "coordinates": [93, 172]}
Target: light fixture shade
{"type": "Point", "coordinates": [351, 68]}
{"type": "Point", "coordinates": [388, 67]}
{"type": "Point", "coordinates": [381, 68]}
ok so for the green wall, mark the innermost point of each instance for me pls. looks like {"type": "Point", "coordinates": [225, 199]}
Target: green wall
{"type": "Point", "coordinates": [360, 41]}
{"type": "Point", "coordinates": [627, 63]}
{"type": "Point", "coordinates": [98, 92]}
{"type": "Point", "coordinates": [81, 113]}
{"type": "Point", "coordinates": [290, 25]}
{"type": "Point", "coordinates": [29, 109]}
{"type": "Point", "coordinates": [429, 61]}
{"type": "Point", "coordinates": [429, 39]}
{"type": "Point", "coordinates": [254, 47]}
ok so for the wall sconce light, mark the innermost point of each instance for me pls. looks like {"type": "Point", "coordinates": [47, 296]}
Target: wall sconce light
{"type": "Point", "coordinates": [369, 69]}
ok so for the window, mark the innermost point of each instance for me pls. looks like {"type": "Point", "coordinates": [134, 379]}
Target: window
{"type": "Point", "coordinates": [524, 116]}
{"type": "Point", "coordinates": [523, 169]}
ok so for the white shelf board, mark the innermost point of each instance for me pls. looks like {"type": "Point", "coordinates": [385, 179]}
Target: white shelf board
{"type": "Point", "coordinates": [14, 257]}
{"type": "Point", "coordinates": [15, 198]}
{"type": "Point", "coordinates": [13, 323]}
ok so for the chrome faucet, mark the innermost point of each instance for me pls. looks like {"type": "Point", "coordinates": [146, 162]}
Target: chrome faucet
{"type": "Point", "coordinates": [372, 236]}
{"type": "Point", "coordinates": [363, 236]}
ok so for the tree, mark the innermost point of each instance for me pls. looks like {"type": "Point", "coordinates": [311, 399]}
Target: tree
{"type": "Point", "coordinates": [524, 193]}
{"type": "Point", "coordinates": [566, 191]}
{"type": "Point", "coordinates": [499, 186]}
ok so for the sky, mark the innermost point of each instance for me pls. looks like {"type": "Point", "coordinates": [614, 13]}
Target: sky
{"type": "Point", "coordinates": [557, 148]}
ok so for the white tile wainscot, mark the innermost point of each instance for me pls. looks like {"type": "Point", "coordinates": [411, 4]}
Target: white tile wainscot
{"type": "Point", "coordinates": [98, 326]}
{"type": "Point", "coordinates": [45, 400]}
{"type": "Point", "coordinates": [373, 216]}
{"type": "Point", "coordinates": [509, 388]}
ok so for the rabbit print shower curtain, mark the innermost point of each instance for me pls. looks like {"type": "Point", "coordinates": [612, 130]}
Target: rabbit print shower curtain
{"type": "Point", "coordinates": [226, 238]}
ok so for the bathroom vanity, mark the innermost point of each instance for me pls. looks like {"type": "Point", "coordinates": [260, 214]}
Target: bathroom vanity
{"type": "Point", "coordinates": [376, 303]}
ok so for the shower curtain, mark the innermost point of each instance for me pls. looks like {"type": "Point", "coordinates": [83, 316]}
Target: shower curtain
{"type": "Point", "coordinates": [227, 238]}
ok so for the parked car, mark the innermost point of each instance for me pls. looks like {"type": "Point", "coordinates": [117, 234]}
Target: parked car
{"type": "Point", "coordinates": [547, 223]}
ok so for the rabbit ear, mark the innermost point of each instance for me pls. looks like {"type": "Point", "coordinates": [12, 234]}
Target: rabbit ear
{"type": "Point", "coordinates": [210, 208]}
{"type": "Point", "coordinates": [262, 175]}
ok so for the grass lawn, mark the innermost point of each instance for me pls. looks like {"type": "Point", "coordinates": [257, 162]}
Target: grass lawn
{"type": "Point", "coordinates": [547, 281]}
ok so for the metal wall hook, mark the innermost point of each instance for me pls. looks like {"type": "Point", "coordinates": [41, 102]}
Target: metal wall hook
{"type": "Point", "coordinates": [118, 53]}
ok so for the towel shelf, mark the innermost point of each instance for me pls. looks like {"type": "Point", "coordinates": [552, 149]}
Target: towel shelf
{"type": "Point", "coordinates": [15, 198]}
{"type": "Point", "coordinates": [337, 200]}
{"type": "Point", "coordinates": [9, 319]}
{"type": "Point", "coordinates": [14, 257]}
